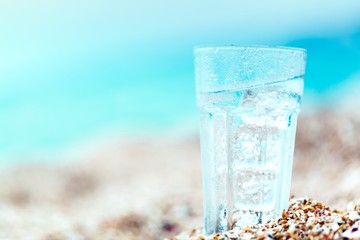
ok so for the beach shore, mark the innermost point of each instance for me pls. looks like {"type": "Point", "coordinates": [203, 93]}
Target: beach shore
{"type": "Point", "coordinates": [150, 188]}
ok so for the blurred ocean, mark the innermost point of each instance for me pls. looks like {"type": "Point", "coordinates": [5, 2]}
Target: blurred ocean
{"type": "Point", "coordinates": [70, 79]}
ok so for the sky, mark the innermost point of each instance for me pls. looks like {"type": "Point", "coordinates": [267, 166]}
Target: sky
{"type": "Point", "coordinates": [71, 70]}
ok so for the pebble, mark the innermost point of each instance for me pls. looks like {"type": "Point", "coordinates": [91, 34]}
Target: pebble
{"type": "Point", "coordinates": [305, 219]}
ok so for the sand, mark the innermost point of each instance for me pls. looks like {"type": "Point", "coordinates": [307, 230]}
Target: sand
{"type": "Point", "coordinates": [150, 188]}
{"type": "Point", "coordinates": [304, 219]}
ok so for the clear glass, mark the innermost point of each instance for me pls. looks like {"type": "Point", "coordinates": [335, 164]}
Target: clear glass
{"type": "Point", "coordinates": [249, 99]}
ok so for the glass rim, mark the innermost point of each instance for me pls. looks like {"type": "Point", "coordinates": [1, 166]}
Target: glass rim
{"type": "Point", "coordinates": [239, 46]}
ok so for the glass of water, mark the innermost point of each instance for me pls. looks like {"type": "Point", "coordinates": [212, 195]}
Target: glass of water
{"type": "Point", "coordinates": [248, 98]}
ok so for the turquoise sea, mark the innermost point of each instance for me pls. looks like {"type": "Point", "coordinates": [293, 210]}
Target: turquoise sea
{"type": "Point", "coordinates": [56, 99]}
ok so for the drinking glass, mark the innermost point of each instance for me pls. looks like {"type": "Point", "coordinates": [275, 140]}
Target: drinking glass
{"type": "Point", "coordinates": [249, 99]}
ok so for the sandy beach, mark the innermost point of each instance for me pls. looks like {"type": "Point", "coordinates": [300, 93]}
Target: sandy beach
{"type": "Point", "coordinates": [150, 188]}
